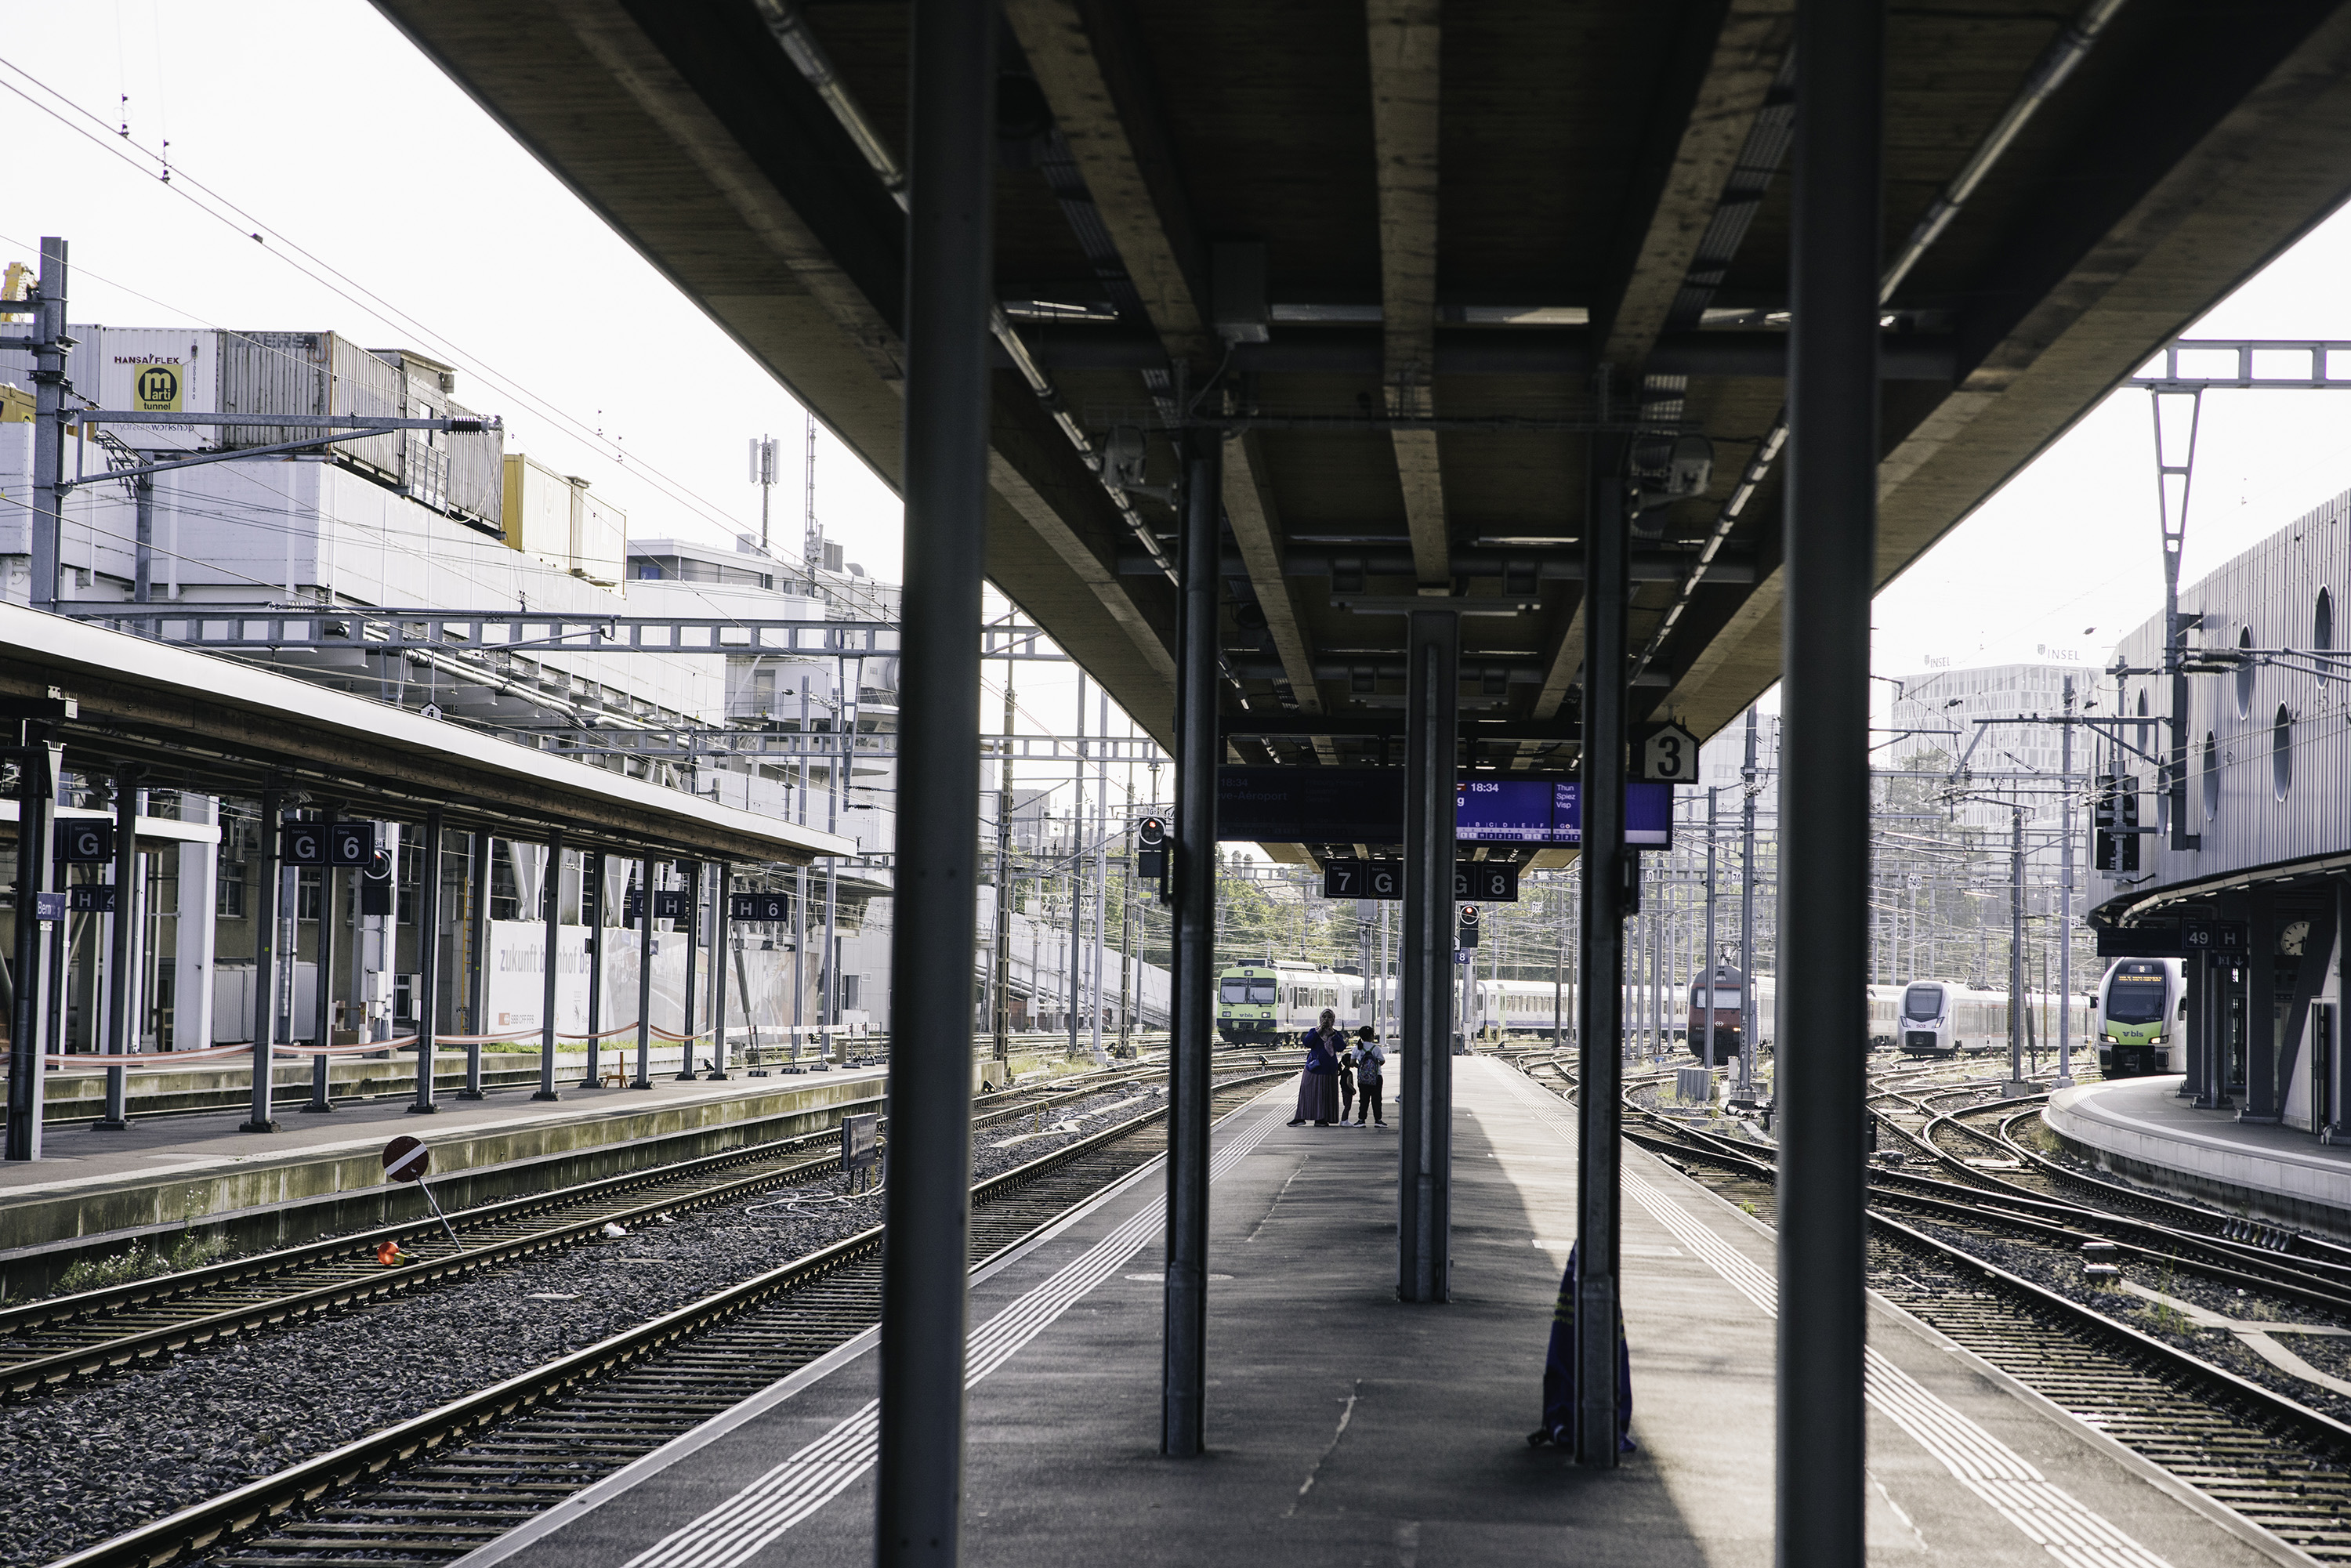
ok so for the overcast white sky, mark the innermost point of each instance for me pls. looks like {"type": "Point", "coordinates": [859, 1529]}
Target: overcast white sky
{"type": "Point", "coordinates": [317, 126]}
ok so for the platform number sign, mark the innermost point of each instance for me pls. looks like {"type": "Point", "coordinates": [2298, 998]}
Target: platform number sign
{"type": "Point", "coordinates": [758, 906]}
{"type": "Point", "coordinates": [1491, 882]}
{"type": "Point", "coordinates": [84, 841]}
{"type": "Point", "coordinates": [91, 898]}
{"type": "Point", "coordinates": [353, 843]}
{"type": "Point", "coordinates": [1363, 879]}
{"type": "Point", "coordinates": [302, 844]}
{"type": "Point", "coordinates": [2222, 936]}
{"type": "Point", "coordinates": [1665, 753]}
{"type": "Point", "coordinates": [669, 903]}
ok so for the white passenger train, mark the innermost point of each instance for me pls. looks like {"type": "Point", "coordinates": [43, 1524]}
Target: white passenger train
{"type": "Point", "coordinates": [1947, 1018]}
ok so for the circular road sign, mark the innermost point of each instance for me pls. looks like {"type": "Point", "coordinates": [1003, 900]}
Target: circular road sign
{"type": "Point", "coordinates": [406, 1158]}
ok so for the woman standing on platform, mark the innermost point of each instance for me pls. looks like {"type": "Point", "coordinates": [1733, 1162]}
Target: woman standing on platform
{"type": "Point", "coordinates": [1318, 1086]}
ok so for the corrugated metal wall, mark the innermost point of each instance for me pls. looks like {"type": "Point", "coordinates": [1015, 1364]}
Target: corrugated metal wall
{"type": "Point", "coordinates": [2266, 598]}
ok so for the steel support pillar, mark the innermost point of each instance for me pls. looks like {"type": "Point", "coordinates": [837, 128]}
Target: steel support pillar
{"type": "Point", "coordinates": [122, 950]}
{"type": "Point", "coordinates": [551, 890]}
{"type": "Point", "coordinates": [322, 1013]}
{"type": "Point", "coordinates": [721, 926]}
{"type": "Point", "coordinates": [950, 296]}
{"type": "Point", "coordinates": [1184, 1364]}
{"type": "Point", "coordinates": [1423, 1186]}
{"type": "Point", "coordinates": [692, 926]}
{"type": "Point", "coordinates": [1600, 1004]}
{"type": "Point", "coordinates": [2196, 1039]}
{"type": "Point", "coordinates": [46, 524]}
{"type": "Point", "coordinates": [646, 879]}
{"type": "Point", "coordinates": [40, 769]}
{"type": "Point", "coordinates": [1831, 531]}
{"type": "Point", "coordinates": [478, 851]}
{"type": "Point", "coordinates": [428, 956]}
{"type": "Point", "coordinates": [2261, 1001]}
{"type": "Point", "coordinates": [591, 917]}
{"type": "Point", "coordinates": [266, 958]}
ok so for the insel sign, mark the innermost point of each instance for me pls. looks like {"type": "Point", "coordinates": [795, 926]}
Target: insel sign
{"type": "Point", "coordinates": [1365, 806]}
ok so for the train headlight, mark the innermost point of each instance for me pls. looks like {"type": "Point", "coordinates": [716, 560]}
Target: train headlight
{"type": "Point", "coordinates": [2112, 1041]}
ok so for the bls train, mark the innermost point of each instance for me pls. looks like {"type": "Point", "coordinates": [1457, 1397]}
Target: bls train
{"type": "Point", "coordinates": [1265, 1004]}
{"type": "Point", "coordinates": [2142, 1011]}
{"type": "Point", "coordinates": [1945, 1018]}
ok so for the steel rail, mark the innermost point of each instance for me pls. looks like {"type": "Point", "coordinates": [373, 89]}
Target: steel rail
{"type": "Point", "coordinates": [357, 1277]}
{"type": "Point", "coordinates": [192, 1529]}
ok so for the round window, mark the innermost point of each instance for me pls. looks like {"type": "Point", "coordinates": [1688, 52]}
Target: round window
{"type": "Point", "coordinates": [2281, 751]}
{"type": "Point", "coordinates": [2245, 676]}
{"type": "Point", "coordinates": [2211, 776]}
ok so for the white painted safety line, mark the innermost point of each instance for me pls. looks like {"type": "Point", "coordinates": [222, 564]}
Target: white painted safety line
{"type": "Point", "coordinates": [797, 1488]}
{"type": "Point", "coordinates": [2041, 1511]}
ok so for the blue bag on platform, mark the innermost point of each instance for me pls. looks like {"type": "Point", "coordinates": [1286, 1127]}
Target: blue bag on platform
{"type": "Point", "coordinates": [1559, 1373]}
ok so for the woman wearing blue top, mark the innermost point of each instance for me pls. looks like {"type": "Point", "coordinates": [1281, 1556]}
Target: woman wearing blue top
{"type": "Point", "coordinates": [1318, 1086]}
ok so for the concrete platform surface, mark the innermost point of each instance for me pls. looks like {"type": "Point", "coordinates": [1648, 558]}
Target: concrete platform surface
{"type": "Point", "coordinates": [168, 1173]}
{"type": "Point", "coordinates": [2140, 1126]}
{"type": "Point", "coordinates": [1346, 1427]}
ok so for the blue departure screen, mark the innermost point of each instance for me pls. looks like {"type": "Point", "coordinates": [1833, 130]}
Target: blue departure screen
{"type": "Point", "coordinates": [1503, 810]}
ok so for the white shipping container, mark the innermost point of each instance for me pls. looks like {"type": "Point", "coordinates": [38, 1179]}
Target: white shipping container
{"type": "Point", "coordinates": [152, 370]}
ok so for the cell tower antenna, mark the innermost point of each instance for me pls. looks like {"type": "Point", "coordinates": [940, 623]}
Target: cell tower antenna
{"type": "Point", "coordinates": [812, 536]}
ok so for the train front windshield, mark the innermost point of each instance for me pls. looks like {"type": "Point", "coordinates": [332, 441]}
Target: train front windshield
{"type": "Point", "coordinates": [2134, 999]}
{"type": "Point", "coordinates": [1924, 1003]}
{"type": "Point", "coordinates": [1249, 993]}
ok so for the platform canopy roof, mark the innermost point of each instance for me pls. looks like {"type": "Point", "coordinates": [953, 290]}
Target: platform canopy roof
{"type": "Point", "coordinates": [218, 726]}
{"type": "Point", "coordinates": [1410, 253]}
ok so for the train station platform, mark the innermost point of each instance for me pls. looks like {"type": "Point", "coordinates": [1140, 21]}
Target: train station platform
{"type": "Point", "coordinates": [94, 1192]}
{"type": "Point", "coordinates": [2140, 1128]}
{"type": "Point", "coordinates": [1347, 1428]}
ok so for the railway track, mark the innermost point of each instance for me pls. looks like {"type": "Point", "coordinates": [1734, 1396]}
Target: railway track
{"type": "Point", "coordinates": [2272, 1460]}
{"type": "Point", "coordinates": [46, 1344]}
{"type": "Point", "coordinates": [434, 1487]}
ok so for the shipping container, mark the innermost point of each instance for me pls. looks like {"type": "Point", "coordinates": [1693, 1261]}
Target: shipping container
{"type": "Point", "coordinates": [460, 472]}
{"type": "Point", "coordinates": [152, 370]}
{"type": "Point", "coordinates": [555, 517]}
{"type": "Point", "coordinates": [309, 373]}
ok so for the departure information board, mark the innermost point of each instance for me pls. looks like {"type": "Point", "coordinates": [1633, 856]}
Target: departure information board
{"type": "Point", "coordinates": [1504, 811]}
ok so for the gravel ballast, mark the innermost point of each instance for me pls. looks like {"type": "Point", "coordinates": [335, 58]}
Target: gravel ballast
{"type": "Point", "coordinates": [91, 1461]}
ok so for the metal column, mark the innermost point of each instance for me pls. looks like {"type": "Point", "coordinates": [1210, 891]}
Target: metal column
{"type": "Point", "coordinates": [1183, 1368]}
{"type": "Point", "coordinates": [950, 296]}
{"type": "Point", "coordinates": [121, 951]}
{"type": "Point", "coordinates": [2066, 899]}
{"type": "Point", "coordinates": [692, 926]}
{"type": "Point", "coordinates": [428, 954]}
{"type": "Point", "coordinates": [1707, 964]}
{"type": "Point", "coordinates": [1424, 1189]}
{"type": "Point", "coordinates": [646, 878]}
{"type": "Point", "coordinates": [721, 918]}
{"type": "Point", "coordinates": [2196, 977]}
{"type": "Point", "coordinates": [39, 777]}
{"type": "Point", "coordinates": [49, 388]}
{"type": "Point", "coordinates": [264, 966]}
{"type": "Point", "coordinates": [550, 888]}
{"type": "Point", "coordinates": [2261, 1011]}
{"type": "Point", "coordinates": [1830, 532]}
{"type": "Point", "coordinates": [1193, 989]}
{"type": "Point", "coordinates": [591, 917]}
{"type": "Point", "coordinates": [322, 1018]}
{"type": "Point", "coordinates": [1751, 1020]}
{"type": "Point", "coordinates": [478, 851]}
{"type": "Point", "coordinates": [2017, 1000]}
{"type": "Point", "coordinates": [1600, 1008]}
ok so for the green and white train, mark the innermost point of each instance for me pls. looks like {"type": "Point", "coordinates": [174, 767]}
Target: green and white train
{"type": "Point", "coordinates": [2142, 1017]}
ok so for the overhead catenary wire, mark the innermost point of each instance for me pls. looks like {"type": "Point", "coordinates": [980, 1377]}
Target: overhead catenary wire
{"type": "Point", "coordinates": [326, 275]}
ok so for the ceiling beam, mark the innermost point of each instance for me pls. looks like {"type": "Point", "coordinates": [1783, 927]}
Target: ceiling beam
{"type": "Point", "coordinates": [1089, 65]}
{"type": "Point", "coordinates": [1708, 130]}
{"type": "Point", "coordinates": [1405, 56]}
{"type": "Point", "coordinates": [1250, 508]}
